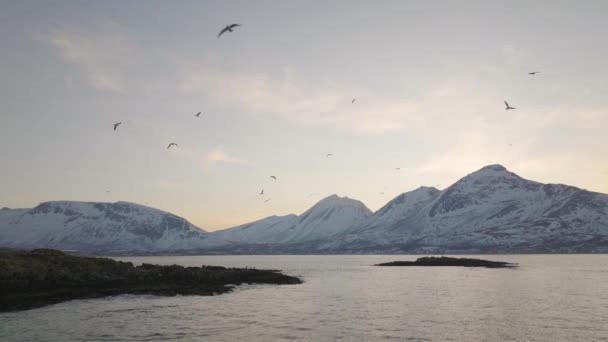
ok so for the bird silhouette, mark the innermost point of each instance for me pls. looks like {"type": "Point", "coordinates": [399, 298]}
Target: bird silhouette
{"type": "Point", "coordinates": [275, 178]}
{"type": "Point", "coordinates": [117, 124]}
{"type": "Point", "coordinates": [267, 200]}
{"type": "Point", "coordinates": [397, 168]}
{"type": "Point", "coordinates": [172, 144]}
{"type": "Point", "coordinates": [228, 28]}
{"type": "Point", "coordinates": [533, 73]}
{"type": "Point", "coordinates": [197, 114]}
{"type": "Point", "coordinates": [353, 100]}
{"type": "Point", "coordinates": [329, 155]}
{"type": "Point", "coordinates": [508, 107]}
{"type": "Point", "coordinates": [262, 192]}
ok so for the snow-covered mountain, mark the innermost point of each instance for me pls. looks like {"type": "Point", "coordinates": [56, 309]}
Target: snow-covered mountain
{"type": "Point", "coordinates": [330, 216]}
{"type": "Point", "coordinates": [100, 227]}
{"type": "Point", "coordinates": [490, 210]}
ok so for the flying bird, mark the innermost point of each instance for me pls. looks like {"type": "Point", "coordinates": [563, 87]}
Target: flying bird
{"type": "Point", "coordinates": [267, 200]}
{"type": "Point", "coordinates": [275, 178]}
{"type": "Point", "coordinates": [117, 124]}
{"type": "Point", "coordinates": [329, 155]}
{"type": "Point", "coordinates": [508, 107]}
{"type": "Point", "coordinates": [262, 192]}
{"type": "Point", "coordinates": [533, 73]}
{"type": "Point", "coordinates": [172, 144]}
{"type": "Point", "coordinates": [353, 101]}
{"type": "Point", "coordinates": [228, 28]}
{"type": "Point", "coordinates": [397, 168]}
{"type": "Point", "coordinates": [197, 114]}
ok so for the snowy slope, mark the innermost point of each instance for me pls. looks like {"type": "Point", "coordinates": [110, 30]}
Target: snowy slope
{"type": "Point", "coordinates": [328, 217]}
{"type": "Point", "coordinates": [491, 209]}
{"type": "Point", "coordinates": [270, 230]}
{"type": "Point", "coordinates": [99, 226]}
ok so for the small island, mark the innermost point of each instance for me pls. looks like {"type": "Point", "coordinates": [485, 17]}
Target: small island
{"type": "Point", "coordinates": [31, 279]}
{"type": "Point", "coordinates": [446, 261]}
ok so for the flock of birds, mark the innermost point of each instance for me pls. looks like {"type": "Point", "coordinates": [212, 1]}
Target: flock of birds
{"type": "Point", "coordinates": [230, 28]}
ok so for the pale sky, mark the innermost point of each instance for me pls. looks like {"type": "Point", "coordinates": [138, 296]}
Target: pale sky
{"type": "Point", "coordinates": [430, 78]}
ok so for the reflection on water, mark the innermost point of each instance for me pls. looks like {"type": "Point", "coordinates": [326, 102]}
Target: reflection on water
{"type": "Point", "coordinates": [548, 298]}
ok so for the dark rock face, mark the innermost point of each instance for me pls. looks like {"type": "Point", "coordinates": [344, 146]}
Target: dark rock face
{"type": "Point", "coordinates": [45, 276]}
{"type": "Point", "coordinates": [445, 261]}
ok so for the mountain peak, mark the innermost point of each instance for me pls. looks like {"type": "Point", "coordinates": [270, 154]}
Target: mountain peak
{"type": "Point", "coordinates": [490, 172]}
{"type": "Point", "coordinates": [493, 167]}
{"type": "Point", "coordinates": [335, 200]}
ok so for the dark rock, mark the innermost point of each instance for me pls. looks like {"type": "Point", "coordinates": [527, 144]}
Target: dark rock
{"type": "Point", "coordinates": [44, 276]}
{"type": "Point", "coordinates": [445, 261]}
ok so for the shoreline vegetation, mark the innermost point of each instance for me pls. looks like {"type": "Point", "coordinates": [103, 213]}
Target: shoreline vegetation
{"type": "Point", "coordinates": [447, 261]}
{"type": "Point", "coordinates": [40, 277]}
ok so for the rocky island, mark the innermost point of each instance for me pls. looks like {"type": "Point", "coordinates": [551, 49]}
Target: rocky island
{"type": "Point", "coordinates": [446, 261]}
{"type": "Point", "coordinates": [30, 279]}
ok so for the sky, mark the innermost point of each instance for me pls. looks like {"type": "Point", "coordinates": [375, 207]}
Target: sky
{"type": "Point", "coordinates": [430, 78]}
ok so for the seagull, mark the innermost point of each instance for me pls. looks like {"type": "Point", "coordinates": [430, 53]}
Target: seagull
{"type": "Point", "coordinates": [197, 114]}
{"type": "Point", "coordinates": [533, 73]}
{"type": "Point", "coordinates": [508, 107]}
{"type": "Point", "coordinates": [262, 192]}
{"type": "Point", "coordinates": [267, 200]}
{"type": "Point", "coordinates": [275, 178]}
{"type": "Point", "coordinates": [172, 144]}
{"type": "Point", "coordinates": [397, 168]}
{"type": "Point", "coordinates": [353, 101]}
{"type": "Point", "coordinates": [329, 155]}
{"type": "Point", "coordinates": [117, 124]}
{"type": "Point", "coordinates": [228, 28]}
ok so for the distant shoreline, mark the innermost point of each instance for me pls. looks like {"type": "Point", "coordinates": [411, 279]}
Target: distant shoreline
{"type": "Point", "coordinates": [449, 262]}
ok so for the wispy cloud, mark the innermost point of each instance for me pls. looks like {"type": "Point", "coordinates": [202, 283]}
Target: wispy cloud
{"type": "Point", "coordinates": [323, 103]}
{"type": "Point", "coordinates": [218, 155]}
{"type": "Point", "coordinates": [102, 56]}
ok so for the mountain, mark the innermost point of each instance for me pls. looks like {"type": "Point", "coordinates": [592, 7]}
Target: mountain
{"type": "Point", "coordinates": [89, 226]}
{"type": "Point", "coordinates": [330, 216]}
{"type": "Point", "coordinates": [490, 210]}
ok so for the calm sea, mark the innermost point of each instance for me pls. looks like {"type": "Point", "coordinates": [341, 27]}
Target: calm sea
{"type": "Point", "coordinates": [548, 298]}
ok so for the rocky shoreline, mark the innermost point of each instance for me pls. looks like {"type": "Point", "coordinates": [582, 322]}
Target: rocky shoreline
{"type": "Point", "coordinates": [31, 279]}
{"type": "Point", "coordinates": [447, 261]}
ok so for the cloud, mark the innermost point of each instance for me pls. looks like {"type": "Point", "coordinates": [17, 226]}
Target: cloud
{"type": "Point", "coordinates": [219, 156]}
{"type": "Point", "coordinates": [102, 57]}
{"type": "Point", "coordinates": [322, 103]}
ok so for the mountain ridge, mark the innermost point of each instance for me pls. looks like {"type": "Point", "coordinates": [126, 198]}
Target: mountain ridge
{"type": "Point", "coordinates": [488, 210]}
